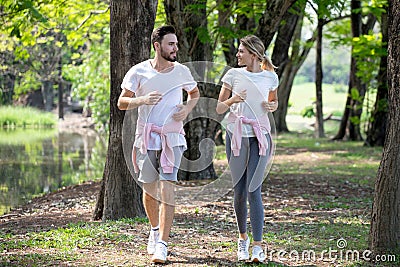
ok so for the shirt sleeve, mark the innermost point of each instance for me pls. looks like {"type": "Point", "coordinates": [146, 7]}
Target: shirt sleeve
{"type": "Point", "coordinates": [228, 77]}
{"type": "Point", "coordinates": [130, 80]}
{"type": "Point", "coordinates": [189, 83]}
{"type": "Point", "coordinates": [275, 81]}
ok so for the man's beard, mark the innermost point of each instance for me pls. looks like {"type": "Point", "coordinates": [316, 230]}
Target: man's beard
{"type": "Point", "coordinates": [167, 56]}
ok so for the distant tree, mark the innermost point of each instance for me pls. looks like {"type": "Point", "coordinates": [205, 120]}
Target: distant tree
{"type": "Point", "coordinates": [385, 219]}
{"type": "Point", "coordinates": [287, 57]}
{"type": "Point", "coordinates": [378, 121]}
{"type": "Point", "coordinates": [131, 26]}
{"type": "Point", "coordinates": [350, 124]}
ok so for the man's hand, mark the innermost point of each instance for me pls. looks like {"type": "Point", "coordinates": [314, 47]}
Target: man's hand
{"type": "Point", "coordinates": [182, 113]}
{"type": "Point", "coordinates": [270, 106]}
{"type": "Point", "coordinates": [152, 98]}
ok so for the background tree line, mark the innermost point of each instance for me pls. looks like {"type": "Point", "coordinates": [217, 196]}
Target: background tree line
{"type": "Point", "coordinates": [59, 49]}
{"type": "Point", "coordinates": [51, 44]}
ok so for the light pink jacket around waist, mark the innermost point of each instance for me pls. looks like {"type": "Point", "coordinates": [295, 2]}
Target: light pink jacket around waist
{"type": "Point", "coordinates": [167, 158]}
{"type": "Point", "coordinates": [257, 125]}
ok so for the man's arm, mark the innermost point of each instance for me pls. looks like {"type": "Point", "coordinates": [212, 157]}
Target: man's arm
{"type": "Point", "coordinates": [127, 99]}
{"type": "Point", "coordinates": [193, 98]}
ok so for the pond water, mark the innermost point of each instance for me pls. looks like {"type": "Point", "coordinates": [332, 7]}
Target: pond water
{"type": "Point", "coordinates": [34, 162]}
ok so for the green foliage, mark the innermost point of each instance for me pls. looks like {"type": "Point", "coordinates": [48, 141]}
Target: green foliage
{"type": "Point", "coordinates": [308, 112]}
{"type": "Point", "coordinates": [91, 82]}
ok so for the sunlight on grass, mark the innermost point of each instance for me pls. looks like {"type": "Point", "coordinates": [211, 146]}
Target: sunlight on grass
{"type": "Point", "coordinates": [26, 117]}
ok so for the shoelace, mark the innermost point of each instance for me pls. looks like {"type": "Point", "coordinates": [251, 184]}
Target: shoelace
{"type": "Point", "coordinates": [242, 245]}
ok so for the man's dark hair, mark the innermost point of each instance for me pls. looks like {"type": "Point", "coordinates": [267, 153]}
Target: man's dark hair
{"type": "Point", "coordinates": [159, 33]}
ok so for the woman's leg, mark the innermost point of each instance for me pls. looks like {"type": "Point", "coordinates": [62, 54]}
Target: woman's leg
{"type": "Point", "coordinates": [255, 172]}
{"type": "Point", "coordinates": [238, 166]}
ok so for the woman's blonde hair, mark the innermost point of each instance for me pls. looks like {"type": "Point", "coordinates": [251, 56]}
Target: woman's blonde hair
{"type": "Point", "coordinates": [256, 47]}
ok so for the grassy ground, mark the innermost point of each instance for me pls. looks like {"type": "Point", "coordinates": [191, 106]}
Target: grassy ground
{"type": "Point", "coordinates": [317, 199]}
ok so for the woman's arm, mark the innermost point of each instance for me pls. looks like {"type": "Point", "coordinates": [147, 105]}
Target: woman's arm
{"type": "Point", "coordinates": [224, 99]}
{"type": "Point", "coordinates": [272, 103]}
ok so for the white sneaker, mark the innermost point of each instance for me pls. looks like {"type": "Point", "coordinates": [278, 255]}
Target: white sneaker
{"type": "Point", "coordinates": [160, 255]}
{"type": "Point", "coordinates": [153, 239]}
{"type": "Point", "coordinates": [243, 249]}
{"type": "Point", "coordinates": [257, 254]}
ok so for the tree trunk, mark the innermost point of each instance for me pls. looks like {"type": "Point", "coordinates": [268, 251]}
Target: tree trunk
{"type": "Point", "coordinates": [287, 75]}
{"type": "Point", "coordinates": [228, 44]}
{"type": "Point", "coordinates": [350, 123]}
{"type": "Point", "coordinates": [319, 117]}
{"type": "Point", "coordinates": [385, 219]}
{"type": "Point", "coordinates": [48, 95]}
{"type": "Point", "coordinates": [377, 125]}
{"type": "Point", "coordinates": [280, 58]}
{"type": "Point", "coordinates": [189, 23]}
{"type": "Point", "coordinates": [131, 25]}
{"type": "Point", "coordinates": [271, 19]}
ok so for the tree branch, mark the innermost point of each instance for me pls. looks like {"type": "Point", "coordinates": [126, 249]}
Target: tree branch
{"type": "Point", "coordinates": [94, 12]}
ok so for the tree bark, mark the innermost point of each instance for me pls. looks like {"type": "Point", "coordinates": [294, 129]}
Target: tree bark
{"type": "Point", "coordinates": [131, 25]}
{"type": "Point", "coordinates": [378, 121]}
{"type": "Point", "coordinates": [385, 219]}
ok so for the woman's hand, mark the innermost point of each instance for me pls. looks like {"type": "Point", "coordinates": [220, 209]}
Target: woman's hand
{"type": "Point", "coordinates": [239, 97]}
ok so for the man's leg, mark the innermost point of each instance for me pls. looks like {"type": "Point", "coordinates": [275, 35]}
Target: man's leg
{"type": "Point", "coordinates": [167, 209]}
{"type": "Point", "coordinates": [150, 202]}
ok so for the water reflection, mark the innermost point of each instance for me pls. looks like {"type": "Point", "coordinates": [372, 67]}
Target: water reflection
{"type": "Point", "coordinates": [33, 162]}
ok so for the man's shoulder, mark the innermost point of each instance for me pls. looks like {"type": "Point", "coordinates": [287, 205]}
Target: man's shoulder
{"type": "Point", "coordinates": [141, 65]}
{"type": "Point", "coordinates": [139, 68]}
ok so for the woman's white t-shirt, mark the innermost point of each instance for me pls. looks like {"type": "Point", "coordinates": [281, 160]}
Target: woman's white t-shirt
{"type": "Point", "coordinates": [258, 86]}
{"type": "Point", "coordinates": [143, 79]}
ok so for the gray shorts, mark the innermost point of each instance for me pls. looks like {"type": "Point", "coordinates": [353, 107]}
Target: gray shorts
{"type": "Point", "coordinates": [150, 167]}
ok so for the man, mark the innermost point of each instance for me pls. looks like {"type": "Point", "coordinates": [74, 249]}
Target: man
{"type": "Point", "coordinates": [155, 87]}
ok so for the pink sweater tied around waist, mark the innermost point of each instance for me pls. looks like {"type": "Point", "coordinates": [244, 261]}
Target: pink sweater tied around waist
{"type": "Point", "coordinates": [257, 125]}
{"type": "Point", "coordinates": [167, 157]}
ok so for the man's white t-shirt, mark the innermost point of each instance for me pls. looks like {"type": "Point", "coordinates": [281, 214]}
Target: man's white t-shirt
{"type": "Point", "coordinates": [143, 79]}
{"type": "Point", "coordinates": [258, 86]}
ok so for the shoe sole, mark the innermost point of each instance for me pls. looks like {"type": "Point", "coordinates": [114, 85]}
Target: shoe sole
{"type": "Point", "coordinates": [158, 261]}
{"type": "Point", "coordinates": [256, 260]}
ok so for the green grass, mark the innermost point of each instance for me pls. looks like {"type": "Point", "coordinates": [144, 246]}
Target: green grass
{"type": "Point", "coordinates": [26, 117]}
{"type": "Point", "coordinates": [303, 95]}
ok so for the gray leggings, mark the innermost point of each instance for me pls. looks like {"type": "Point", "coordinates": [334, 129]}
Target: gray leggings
{"type": "Point", "coordinates": [247, 171]}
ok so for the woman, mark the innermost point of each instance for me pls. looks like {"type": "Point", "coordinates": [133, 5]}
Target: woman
{"type": "Point", "coordinates": [249, 92]}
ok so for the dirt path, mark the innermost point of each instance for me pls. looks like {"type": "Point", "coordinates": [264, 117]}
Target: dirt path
{"type": "Point", "coordinates": [204, 235]}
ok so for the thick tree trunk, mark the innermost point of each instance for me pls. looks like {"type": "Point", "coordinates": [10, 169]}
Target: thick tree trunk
{"type": "Point", "coordinates": [385, 221]}
{"type": "Point", "coordinates": [131, 25]}
{"type": "Point", "coordinates": [378, 121]}
{"type": "Point", "coordinates": [189, 23]}
{"type": "Point", "coordinates": [319, 117]}
{"type": "Point", "coordinates": [288, 73]}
